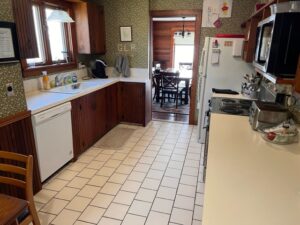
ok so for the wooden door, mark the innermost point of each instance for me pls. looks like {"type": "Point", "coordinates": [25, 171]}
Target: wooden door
{"type": "Point", "coordinates": [97, 28]}
{"type": "Point", "coordinates": [112, 106]}
{"type": "Point", "coordinates": [100, 121]}
{"type": "Point", "coordinates": [132, 102]}
{"type": "Point", "coordinates": [78, 127]}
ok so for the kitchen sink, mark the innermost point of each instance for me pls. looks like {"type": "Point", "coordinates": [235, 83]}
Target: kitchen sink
{"type": "Point", "coordinates": [74, 88]}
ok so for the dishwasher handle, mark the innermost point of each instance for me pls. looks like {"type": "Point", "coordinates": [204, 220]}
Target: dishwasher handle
{"type": "Point", "coordinates": [51, 113]}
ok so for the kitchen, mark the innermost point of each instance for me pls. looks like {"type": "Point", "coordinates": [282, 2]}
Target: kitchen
{"type": "Point", "coordinates": [87, 192]}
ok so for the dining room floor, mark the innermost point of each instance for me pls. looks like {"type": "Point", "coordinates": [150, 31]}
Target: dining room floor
{"type": "Point", "coordinates": [154, 179]}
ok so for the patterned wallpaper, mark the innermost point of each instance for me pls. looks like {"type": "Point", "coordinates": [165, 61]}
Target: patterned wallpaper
{"type": "Point", "coordinates": [133, 13]}
{"type": "Point", "coordinates": [175, 4]}
{"type": "Point", "coordinates": [10, 73]}
{"type": "Point", "coordinates": [241, 11]}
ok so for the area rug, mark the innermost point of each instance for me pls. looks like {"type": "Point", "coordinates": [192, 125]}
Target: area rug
{"type": "Point", "coordinates": [170, 107]}
{"type": "Point", "coordinates": [115, 139]}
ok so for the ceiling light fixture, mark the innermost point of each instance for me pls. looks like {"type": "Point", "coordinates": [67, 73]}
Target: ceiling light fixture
{"type": "Point", "coordinates": [61, 16]}
{"type": "Point", "coordinates": [183, 33]}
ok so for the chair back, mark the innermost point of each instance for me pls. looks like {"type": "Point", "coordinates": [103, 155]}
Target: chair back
{"type": "Point", "coordinates": [19, 176]}
{"type": "Point", "coordinates": [169, 80]}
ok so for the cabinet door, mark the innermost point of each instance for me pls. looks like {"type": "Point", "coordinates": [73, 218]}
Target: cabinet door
{"type": "Point", "coordinates": [97, 28]}
{"type": "Point", "coordinates": [78, 128]}
{"type": "Point", "coordinates": [112, 106]}
{"type": "Point", "coordinates": [100, 116]}
{"type": "Point", "coordinates": [25, 28]}
{"type": "Point", "coordinates": [90, 116]}
{"type": "Point", "coordinates": [132, 102]}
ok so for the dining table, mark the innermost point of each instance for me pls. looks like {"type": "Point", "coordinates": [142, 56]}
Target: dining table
{"type": "Point", "coordinates": [185, 76]}
{"type": "Point", "coordinates": [10, 209]}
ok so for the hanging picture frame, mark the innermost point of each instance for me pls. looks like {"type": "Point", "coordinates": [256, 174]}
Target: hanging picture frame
{"type": "Point", "coordinates": [9, 50]}
{"type": "Point", "coordinates": [126, 34]}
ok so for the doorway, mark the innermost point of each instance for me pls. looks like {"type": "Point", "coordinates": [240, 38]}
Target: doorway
{"type": "Point", "coordinates": [175, 37]}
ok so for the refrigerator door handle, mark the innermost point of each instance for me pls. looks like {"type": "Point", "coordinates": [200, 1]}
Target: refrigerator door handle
{"type": "Point", "coordinates": [202, 58]}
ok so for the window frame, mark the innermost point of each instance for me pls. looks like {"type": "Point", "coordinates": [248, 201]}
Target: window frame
{"type": "Point", "coordinates": [71, 42]}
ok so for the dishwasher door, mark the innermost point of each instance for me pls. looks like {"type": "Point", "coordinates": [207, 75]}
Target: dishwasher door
{"type": "Point", "coordinates": [53, 138]}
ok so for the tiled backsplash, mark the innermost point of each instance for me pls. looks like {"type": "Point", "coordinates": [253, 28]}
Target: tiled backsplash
{"type": "Point", "coordinates": [34, 84]}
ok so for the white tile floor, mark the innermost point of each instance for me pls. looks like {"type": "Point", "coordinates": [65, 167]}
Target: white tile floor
{"type": "Point", "coordinates": [155, 179]}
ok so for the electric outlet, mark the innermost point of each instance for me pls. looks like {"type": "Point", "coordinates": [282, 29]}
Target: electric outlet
{"type": "Point", "coordinates": [10, 90]}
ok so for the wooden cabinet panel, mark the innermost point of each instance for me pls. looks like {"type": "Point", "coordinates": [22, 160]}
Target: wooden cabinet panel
{"type": "Point", "coordinates": [95, 114]}
{"type": "Point", "coordinates": [17, 136]}
{"type": "Point", "coordinates": [132, 102]}
{"type": "Point", "coordinates": [250, 42]}
{"type": "Point", "coordinates": [100, 117]}
{"type": "Point", "coordinates": [97, 28]}
{"type": "Point", "coordinates": [25, 28]}
{"type": "Point", "coordinates": [89, 120]}
{"type": "Point", "coordinates": [78, 126]}
{"type": "Point", "coordinates": [90, 28]}
{"type": "Point", "coordinates": [112, 106]}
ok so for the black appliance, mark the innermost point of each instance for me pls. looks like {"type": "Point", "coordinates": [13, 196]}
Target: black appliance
{"type": "Point", "coordinates": [98, 69]}
{"type": "Point", "coordinates": [278, 45]}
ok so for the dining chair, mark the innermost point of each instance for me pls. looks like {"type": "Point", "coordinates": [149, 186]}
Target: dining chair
{"type": "Point", "coordinates": [21, 177]}
{"type": "Point", "coordinates": [155, 82]}
{"type": "Point", "coordinates": [169, 85]}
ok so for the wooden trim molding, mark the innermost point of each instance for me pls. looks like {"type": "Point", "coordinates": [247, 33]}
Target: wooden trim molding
{"type": "Point", "coordinates": [180, 13]}
{"type": "Point", "coordinates": [15, 118]}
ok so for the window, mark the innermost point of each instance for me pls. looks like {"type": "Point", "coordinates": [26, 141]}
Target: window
{"type": "Point", "coordinates": [54, 39]}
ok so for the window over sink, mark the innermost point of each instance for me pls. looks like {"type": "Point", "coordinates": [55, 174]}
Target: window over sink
{"type": "Point", "coordinates": [55, 40]}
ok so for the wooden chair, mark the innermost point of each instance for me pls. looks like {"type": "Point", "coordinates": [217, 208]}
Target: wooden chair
{"type": "Point", "coordinates": [11, 174]}
{"type": "Point", "coordinates": [169, 85]}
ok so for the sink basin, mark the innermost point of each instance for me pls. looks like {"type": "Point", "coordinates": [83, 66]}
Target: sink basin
{"type": "Point", "coordinates": [73, 88]}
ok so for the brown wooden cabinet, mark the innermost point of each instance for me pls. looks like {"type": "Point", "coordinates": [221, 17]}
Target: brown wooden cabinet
{"type": "Point", "coordinates": [133, 103]}
{"type": "Point", "coordinates": [16, 135]}
{"type": "Point", "coordinates": [95, 114]}
{"type": "Point", "coordinates": [90, 28]}
{"type": "Point", "coordinates": [25, 28]}
{"type": "Point", "coordinates": [112, 106]}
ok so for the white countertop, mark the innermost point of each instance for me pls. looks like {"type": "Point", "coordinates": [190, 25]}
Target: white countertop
{"type": "Point", "coordinates": [249, 181]}
{"type": "Point", "coordinates": [239, 96]}
{"type": "Point", "coordinates": [39, 101]}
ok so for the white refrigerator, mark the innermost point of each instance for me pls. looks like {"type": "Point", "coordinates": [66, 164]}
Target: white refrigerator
{"type": "Point", "coordinates": [221, 67]}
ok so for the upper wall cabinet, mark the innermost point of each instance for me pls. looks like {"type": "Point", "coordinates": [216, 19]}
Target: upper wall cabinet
{"type": "Point", "coordinates": [25, 28]}
{"type": "Point", "coordinates": [90, 28]}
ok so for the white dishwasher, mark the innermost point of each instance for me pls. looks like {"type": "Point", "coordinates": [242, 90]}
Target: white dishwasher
{"type": "Point", "coordinates": [53, 138]}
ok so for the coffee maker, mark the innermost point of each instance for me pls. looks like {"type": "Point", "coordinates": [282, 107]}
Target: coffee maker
{"type": "Point", "coordinates": [98, 69]}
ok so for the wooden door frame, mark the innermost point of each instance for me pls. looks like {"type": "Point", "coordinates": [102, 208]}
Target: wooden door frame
{"type": "Point", "coordinates": [180, 13]}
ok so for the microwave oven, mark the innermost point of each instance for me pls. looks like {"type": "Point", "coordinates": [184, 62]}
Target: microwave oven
{"type": "Point", "coordinates": [278, 44]}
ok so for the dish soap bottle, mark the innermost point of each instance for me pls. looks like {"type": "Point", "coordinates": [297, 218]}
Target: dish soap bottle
{"type": "Point", "coordinates": [46, 82]}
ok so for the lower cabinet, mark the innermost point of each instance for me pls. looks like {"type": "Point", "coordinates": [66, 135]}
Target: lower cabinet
{"type": "Point", "coordinates": [95, 114]}
{"type": "Point", "coordinates": [134, 101]}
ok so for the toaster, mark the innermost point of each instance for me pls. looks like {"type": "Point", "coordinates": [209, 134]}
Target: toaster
{"type": "Point", "coordinates": [267, 114]}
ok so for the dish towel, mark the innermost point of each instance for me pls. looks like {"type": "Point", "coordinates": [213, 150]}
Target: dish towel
{"type": "Point", "coordinates": [118, 65]}
{"type": "Point", "coordinates": [125, 67]}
